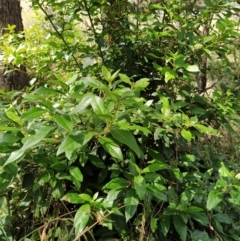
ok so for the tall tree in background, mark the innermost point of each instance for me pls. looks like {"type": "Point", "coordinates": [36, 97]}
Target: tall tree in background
{"type": "Point", "coordinates": [10, 14]}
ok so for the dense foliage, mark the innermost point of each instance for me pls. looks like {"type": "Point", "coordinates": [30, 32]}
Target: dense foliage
{"type": "Point", "coordinates": [115, 139]}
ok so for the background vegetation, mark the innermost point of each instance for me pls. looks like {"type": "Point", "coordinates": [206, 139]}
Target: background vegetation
{"type": "Point", "coordinates": [118, 136]}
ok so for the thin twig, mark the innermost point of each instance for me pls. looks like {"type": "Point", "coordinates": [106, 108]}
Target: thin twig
{"type": "Point", "coordinates": [59, 34]}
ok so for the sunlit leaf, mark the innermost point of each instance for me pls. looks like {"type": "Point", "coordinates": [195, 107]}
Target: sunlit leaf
{"type": "Point", "coordinates": [81, 218]}
{"type": "Point", "coordinates": [131, 201]}
{"type": "Point", "coordinates": [214, 198]}
{"type": "Point", "coordinates": [111, 147]}
{"type": "Point", "coordinates": [191, 68]}
{"type": "Point", "coordinates": [106, 74]}
{"type": "Point", "coordinates": [97, 104]}
{"type": "Point", "coordinates": [187, 135]}
{"type": "Point", "coordinates": [64, 121]}
{"type": "Point", "coordinates": [92, 82]}
{"type": "Point", "coordinates": [140, 186]}
{"type": "Point", "coordinates": [33, 113]}
{"type": "Point", "coordinates": [127, 138]}
{"type": "Point", "coordinates": [73, 198]}
{"type": "Point", "coordinates": [76, 173]}
{"type": "Point", "coordinates": [84, 103]}
{"type": "Point", "coordinates": [11, 114]}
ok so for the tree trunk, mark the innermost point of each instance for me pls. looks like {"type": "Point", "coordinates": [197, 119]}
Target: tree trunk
{"type": "Point", "coordinates": [10, 13]}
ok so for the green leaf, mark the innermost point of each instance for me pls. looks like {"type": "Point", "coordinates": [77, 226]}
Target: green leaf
{"type": "Point", "coordinates": [133, 168]}
{"type": "Point", "coordinates": [223, 218]}
{"type": "Point", "coordinates": [5, 181]}
{"type": "Point", "coordinates": [106, 74]}
{"type": "Point", "coordinates": [72, 79]}
{"type": "Point", "coordinates": [74, 142]}
{"type": "Point", "coordinates": [154, 224]}
{"type": "Point", "coordinates": [11, 168]}
{"type": "Point", "coordinates": [155, 167]}
{"type": "Point", "coordinates": [206, 129]}
{"type": "Point", "coordinates": [64, 121]}
{"type": "Point", "coordinates": [180, 227]}
{"type": "Point", "coordinates": [96, 161]}
{"type": "Point", "coordinates": [76, 173]}
{"type": "Point", "coordinates": [214, 198]}
{"type": "Point", "coordinates": [131, 202]}
{"type": "Point", "coordinates": [15, 156]}
{"type": "Point", "coordinates": [199, 217]}
{"type": "Point", "coordinates": [97, 104]}
{"type": "Point", "coordinates": [125, 79]}
{"type": "Point", "coordinates": [111, 147]}
{"type": "Point", "coordinates": [159, 195]}
{"type": "Point", "coordinates": [165, 224]}
{"type": "Point", "coordinates": [169, 74]}
{"type": "Point", "coordinates": [117, 183]}
{"type": "Point", "coordinates": [191, 68]}
{"type": "Point", "coordinates": [92, 82]}
{"type": "Point", "coordinates": [84, 103]}
{"type": "Point", "coordinates": [127, 138]}
{"type": "Point", "coordinates": [40, 134]}
{"type": "Point", "coordinates": [8, 138]}
{"type": "Point", "coordinates": [113, 194]}
{"type": "Point", "coordinates": [141, 84]}
{"type": "Point", "coordinates": [165, 108]}
{"type": "Point", "coordinates": [33, 113]}
{"type": "Point", "coordinates": [86, 197]}
{"type": "Point", "coordinates": [47, 91]}
{"type": "Point", "coordinates": [14, 117]}
{"type": "Point", "coordinates": [187, 135]}
{"type": "Point", "coordinates": [81, 218]}
{"type": "Point", "coordinates": [200, 236]}
{"type": "Point", "coordinates": [73, 198]}
{"type": "Point", "coordinates": [224, 172]}
{"type": "Point", "coordinates": [140, 186]}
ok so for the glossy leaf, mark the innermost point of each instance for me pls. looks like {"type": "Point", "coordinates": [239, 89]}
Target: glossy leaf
{"type": "Point", "coordinates": [76, 173]}
{"type": "Point", "coordinates": [97, 104]}
{"type": "Point", "coordinates": [187, 135]}
{"type": "Point", "coordinates": [74, 142]}
{"type": "Point", "coordinates": [214, 198]}
{"type": "Point", "coordinates": [111, 147]}
{"type": "Point", "coordinates": [131, 201]}
{"type": "Point", "coordinates": [141, 84]}
{"type": "Point", "coordinates": [125, 79]}
{"type": "Point", "coordinates": [127, 138]}
{"type": "Point", "coordinates": [47, 91]}
{"type": "Point", "coordinates": [140, 186]}
{"type": "Point", "coordinates": [206, 129]}
{"type": "Point", "coordinates": [81, 218]}
{"type": "Point", "coordinates": [155, 167]}
{"type": "Point", "coordinates": [33, 113]}
{"type": "Point", "coordinates": [40, 134]}
{"type": "Point", "coordinates": [117, 183]}
{"type": "Point", "coordinates": [8, 138]}
{"type": "Point", "coordinates": [84, 103]}
{"type": "Point", "coordinates": [64, 121]}
{"type": "Point", "coordinates": [169, 74]}
{"type": "Point", "coordinates": [106, 74]}
{"type": "Point", "coordinates": [191, 68]}
{"type": "Point", "coordinates": [96, 161]}
{"type": "Point", "coordinates": [14, 117]}
{"type": "Point", "coordinates": [15, 156]}
{"type": "Point", "coordinates": [92, 82]}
